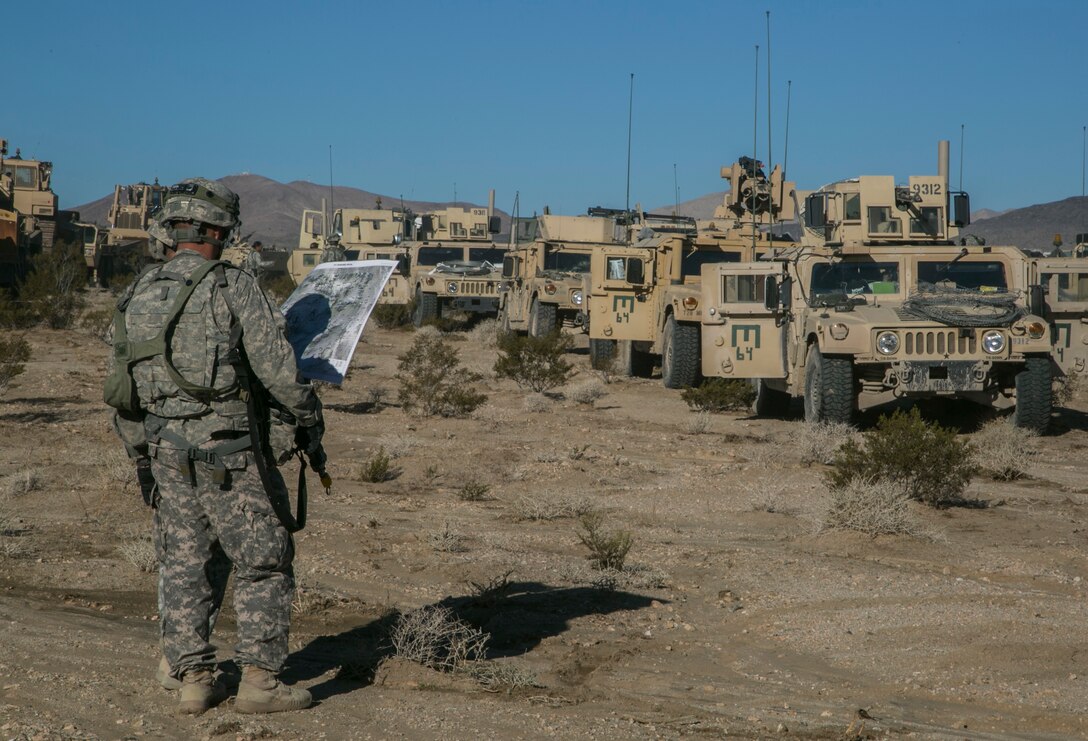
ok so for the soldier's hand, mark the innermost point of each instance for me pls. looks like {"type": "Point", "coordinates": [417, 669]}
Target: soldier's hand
{"type": "Point", "coordinates": [308, 439]}
{"type": "Point", "coordinates": [146, 479]}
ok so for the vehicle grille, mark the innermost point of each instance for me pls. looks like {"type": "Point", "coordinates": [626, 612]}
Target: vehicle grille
{"type": "Point", "coordinates": [479, 287]}
{"type": "Point", "coordinates": [939, 342]}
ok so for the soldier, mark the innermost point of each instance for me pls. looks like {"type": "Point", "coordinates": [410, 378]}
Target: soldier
{"type": "Point", "coordinates": [254, 260]}
{"type": "Point", "coordinates": [197, 444]}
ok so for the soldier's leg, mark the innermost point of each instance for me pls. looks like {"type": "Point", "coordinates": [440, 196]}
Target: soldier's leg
{"type": "Point", "coordinates": [187, 544]}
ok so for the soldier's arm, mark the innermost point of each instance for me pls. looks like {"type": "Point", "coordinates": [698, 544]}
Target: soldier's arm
{"type": "Point", "coordinates": [270, 355]}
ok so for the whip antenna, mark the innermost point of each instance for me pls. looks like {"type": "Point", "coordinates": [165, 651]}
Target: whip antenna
{"type": "Point", "coordinates": [755, 144]}
{"type": "Point", "coordinates": [770, 152]}
{"type": "Point", "coordinates": [630, 109]}
{"type": "Point", "coordinates": [332, 194]}
{"type": "Point", "coordinates": [961, 158]}
{"type": "Point", "coordinates": [786, 152]}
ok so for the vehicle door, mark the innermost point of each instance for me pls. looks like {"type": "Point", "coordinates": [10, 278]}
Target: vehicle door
{"type": "Point", "coordinates": [744, 319]}
{"type": "Point", "coordinates": [620, 280]}
{"type": "Point", "coordinates": [1064, 284]}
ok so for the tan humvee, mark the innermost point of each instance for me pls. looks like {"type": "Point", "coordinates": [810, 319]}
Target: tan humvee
{"type": "Point", "coordinates": [644, 299]}
{"type": "Point", "coordinates": [455, 265]}
{"type": "Point", "coordinates": [881, 300]}
{"type": "Point", "coordinates": [543, 276]}
{"type": "Point", "coordinates": [357, 234]}
{"type": "Point", "coordinates": [1062, 285]}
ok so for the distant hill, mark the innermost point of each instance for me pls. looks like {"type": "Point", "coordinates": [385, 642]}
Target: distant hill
{"type": "Point", "coordinates": [986, 213]}
{"type": "Point", "coordinates": [1034, 227]}
{"type": "Point", "coordinates": [272, 210]}
{"type": "Point", "coordinates": [697, 208]}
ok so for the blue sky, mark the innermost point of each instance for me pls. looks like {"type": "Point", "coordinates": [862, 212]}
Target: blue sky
{"type": "Point", "coordinates": [421, 98]}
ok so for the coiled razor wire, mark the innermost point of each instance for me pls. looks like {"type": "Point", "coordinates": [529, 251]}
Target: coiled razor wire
{"type": "Point", "coordinates": [964, 307]}
{"type": "Point", "coordinates": [464, 267]}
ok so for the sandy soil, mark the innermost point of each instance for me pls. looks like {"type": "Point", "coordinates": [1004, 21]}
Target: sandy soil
{"type": "Point", "coordinates": [733, 618]}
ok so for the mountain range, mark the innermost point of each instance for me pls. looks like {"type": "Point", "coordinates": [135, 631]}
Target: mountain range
{"type": "Point", "coordinates": [271, 212]}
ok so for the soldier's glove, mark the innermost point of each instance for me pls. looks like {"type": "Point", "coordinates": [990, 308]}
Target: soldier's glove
{"type": "Point", "coordinates": [308, 439]}
{"type": "Point", "coordinates": [146, 479]}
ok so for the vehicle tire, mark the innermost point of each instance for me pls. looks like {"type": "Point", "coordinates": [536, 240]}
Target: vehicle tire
{"type": "Point", "coordinates": [769, 402]}
{"type": "Point", "coordinates": [542, 318]}
{"type": "Point", "coordinates": [1034, 396]}
{"type": "Point", "coordinates": [427, 309]}
{"type": "Point", "coordinates": [632, 362]}
{"type": "Point", "coordinates": [829, 388]}
{"type": "Point", "coordinates": [680, 361]}
{"type": "Point", "coordinates": [602, 353]}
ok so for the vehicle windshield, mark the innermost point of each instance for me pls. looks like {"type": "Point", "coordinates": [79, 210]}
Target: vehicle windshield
{"type": "Point", "coordinates": [566, 262]}
{"type": "Point", "coordinates": [977, 276]}
{"type": "Point", "coordinates": [492, 255]}
{"type": "Point", "coordinates": [692, 263]}
{"type": "Point", "coordinates": [435, 255]}
{"type": "Point", "coordinates": [853, 278]}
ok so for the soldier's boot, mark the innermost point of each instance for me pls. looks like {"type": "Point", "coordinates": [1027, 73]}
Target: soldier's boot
{"type": "Point", "coordinates": [200, 691]}
{"type": "Point", "coordinates": [260, 692]}
{"type": "Point", "coordinates": [162, 674]}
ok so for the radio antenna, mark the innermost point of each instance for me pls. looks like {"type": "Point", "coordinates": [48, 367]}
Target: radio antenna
{"type": "Point", "coordinates": [770, 152]}
{"type": "Point", "coordinates": [1083, 139]}
{"type": "Point", "coordinates": [755, 144]}
{"type": "Point", "coordinates": [630, 118]}
{"type": "Point", "coordinates": [675, 192]}
{"type": "Point", "coordinates": [332, 193]}
{"type": "Point", "coordinates": [786, 152]}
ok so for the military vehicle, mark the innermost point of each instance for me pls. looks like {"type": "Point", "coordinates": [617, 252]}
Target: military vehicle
{"type": "Point", "coordinates": [543, 275]}
{"type": "Point", "coordinates": [124, 250]}
{"type": "Point", "coordinates": [16, 246]}
{"type": "Point", "coordinates": [273, 261]}
{"type": "Point", "coordinates": [645, 300]}
{"type": "Point", "coordinates": [1062, 286]}
{"type": "Point", "coordinates": [356, 234]}
{"type": "Point", "coordinates": [31, 194]}
{"type": "Point", "coordinates": [91, 238]}
{"type": "Point", "coordinates": [881, 299]}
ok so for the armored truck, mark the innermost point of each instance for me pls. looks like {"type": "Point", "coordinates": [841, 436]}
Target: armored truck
{"type": "Point", "coordinates": [31, 194]}
{"type": "Point", "coordinates": [645, 300]}
{"type": "Point", "coordinates": [881, 299]}
{"type": "Point", "coordinates": [356, 234]}
{"type": "Point", "coordinates": [543, 276]}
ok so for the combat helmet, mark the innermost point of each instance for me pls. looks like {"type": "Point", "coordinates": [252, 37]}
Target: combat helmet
{"type": "Point", "coordinates": [196, 201]}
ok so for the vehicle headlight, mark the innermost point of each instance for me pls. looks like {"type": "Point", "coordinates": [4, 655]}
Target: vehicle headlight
{"type": "Point", "coordinates": [451, 288]}
{"type": "Point", "coordinates": [887, 343]}
{"type": "Point", "coordinates": [576, 298]}
{"type": "Point", "coordinates": [839, 331]}
{"type": "Point", "coordinates": [993, 342]}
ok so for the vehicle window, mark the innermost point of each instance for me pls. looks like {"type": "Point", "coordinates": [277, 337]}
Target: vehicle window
{"type": "Point", "coordinates": [435, 255]}
{"type": "Point", "coordinates": [478, 230]}
{"type": "Point", "coordinates": [525, 230]}
{"type": "Point", "coordinates": [492, 255]}
{"type": "Point", "coordinates": [1071, 286]}
{"type": "Point", "coordinates": [854, 278]}
{"type": "Point", "coordinates": [979, 276]}
{"type": "Point", "coordinates": [851, 207]}
{"type": "Point", "coordinates": [566, 262]}
{"type": "Point", "coordinates": [692, 263]}
{"type": "Point", "coordinates": [881, 221]}
{"type": "Point", "coordinates": [457, 229]}
{"type": "Point", "coordinates": [309, 260]}
{"type": "Point", "coordinates": [929, 221]}
{"type": "Point", "coordinates": [617, 268]}
{"type": "Point", "coordinates": [743, 289]}
{"type": "Point", "coordinates": [315, 224]}
{"type": "Point", "coordinates": [24, 177]}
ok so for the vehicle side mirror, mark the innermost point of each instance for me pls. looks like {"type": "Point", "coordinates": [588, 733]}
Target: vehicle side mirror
{"type": "Point", "coordinates": [494, 225]}
{"type": "Point", "coordinates": [770, 293]}
{"type": "Point", "coordinates": [1036, 300]}
{"type": "Point", "coordinates": [509, 267]}
{"type": "Point", "coordinates": [961, 208]}
{"type": "Point", "coordinates": [785, 289]}
{"type": "Point", "coordinates": [815, 215]}
{"type": "Point", "coordinates": [635, 271]}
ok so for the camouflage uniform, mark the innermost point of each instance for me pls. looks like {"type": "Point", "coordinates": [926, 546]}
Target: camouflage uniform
{"type": "Point", "coordinates": [209, 500]}
{"type": "Point", "coordinates": [254, 263]}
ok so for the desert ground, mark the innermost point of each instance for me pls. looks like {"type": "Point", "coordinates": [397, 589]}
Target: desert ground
{"type": "Point", "coordinates": [734, 616]}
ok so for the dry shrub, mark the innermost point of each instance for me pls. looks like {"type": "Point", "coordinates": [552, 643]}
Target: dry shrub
{"type": "Point", "coordinates": [1068, 387]}
{"type": "Point", "coordinates": [447, 541]}
{"type": "Point", "coordinates": [536, 403]}
{"type": "Point", "coordinates": [12, 531]}
{"type": "Point", "coordinates": [720, 395]}
{"type": "Point", "coordinates": [376, 396]}
{"type": "Point", "coordinates": [96, 322]}
{"type": "Point", "coordinates": [432, 380]}
{"type": "Point", "coordinates": [544, 507]}
{"type": "Point", "coordinates": [393, 316]}
{"type": "Point", "coordinates": [820, 441]}
{"type": "Point", "coordinates": [932, 463]}
{"type": "Point", "coordinates": [117, 472]}
{"type": "Point", "coordinates": [874, 507]}
{"type": "Point", "coordinates": [501, 677]}
{"type": "Point", "coordinates": [485, 334]}
{"type": "Point", "coordinates": [53, 293]}
{"type": "Point", "coordinates": [378, 468]}
{"type": "Point", "coordinates": [397, 446]}
{"type": "Point", "coordinates": [310, 600]}
{"type": "Point", "coordinates": [767, 496]}
{"type": "Point", "coordinates": [14, 352]}
{"type": "Point", "coordinates": [586, 392]}
{"type": "Point", "coordinates": [473, 491]}
{"type": "Point", "coordinates": [140, 552]}
{"type": "Point", "coordinates": [631, 576]}
{"type": "Point", "coordinates": [607, 550]}
{"type": "Point", "coordinates": [436, 638]}
{"type": "Point", "coordinates": [698, 424]}
{"type": "Point", "coordinates": [18, 484]}
{"type": "Point", "coordinates": [1003, 451]}
{"type": "Point", "coordinates": [535, 363]}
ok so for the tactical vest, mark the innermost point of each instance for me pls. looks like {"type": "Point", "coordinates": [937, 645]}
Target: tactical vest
{"type": "Point", "coordinates": [172, 357]}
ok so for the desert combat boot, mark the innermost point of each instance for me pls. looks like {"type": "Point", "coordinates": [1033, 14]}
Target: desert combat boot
{"type": "Point", "coordinates": [167, 680]}
{"type": "Point", "coordinates": [200, 691]}
{"type": "Point", "coordinates": [261, 692]}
